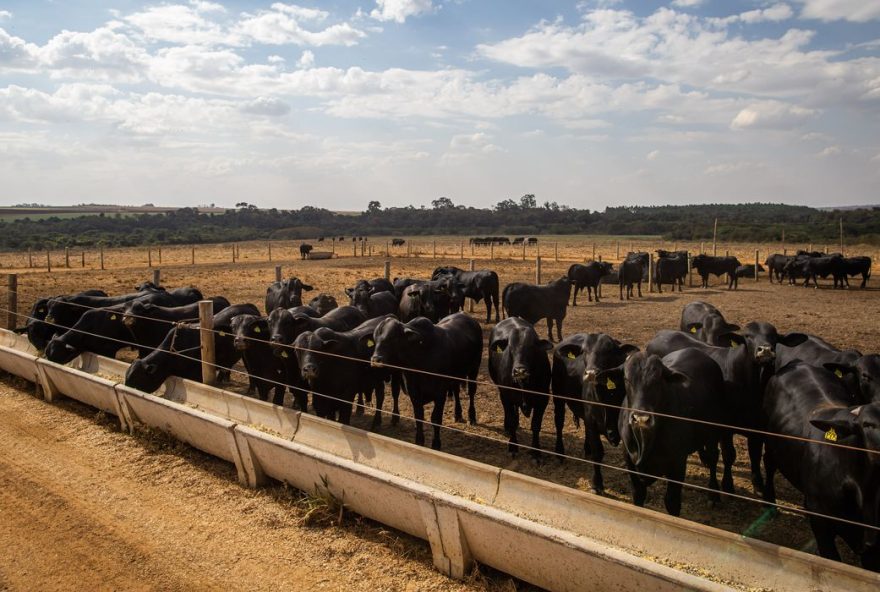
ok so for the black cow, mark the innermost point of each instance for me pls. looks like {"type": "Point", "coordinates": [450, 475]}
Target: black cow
{"type": "Point", "coordinates": [373, 286]}
{"type": "Point", "coordinates": [706, 323]}
{"type": "Point", "coordinates": [811, 268]}
{"type": "Point", "coordinates": [748, 270]}
{"type": "Point", "coordinates": [251, 338]}
{"type": "Point", "coordinates": [518, 240]}
{"type": "Point", "coordinates": [320, 239]}
{"type": "Point", "coordinates": [534, 303]}
{"type": "Point", "coordinates": [478, 285]}
{"type": "Point", "coordinates": [374, 304]}
{"type": "Point", "coordinates": [532, 241]}
{"type": "Point", "coordinates": [180, 354]}
{"type": "Point", "coordinates": [857, 266]}
{"type": "Point", "coordinates": [305, 250]}
{"type": "Point", "coordinates": [631, 271]}
{"type": "Point", "coordinates": [588, 276]}
{"type": "Point", "coordinates": [285, 327]}
{"type": "Point", "coordinates": [685, 384]}
{"type": "Point", "coordinates": [323, 303]}
{"type": "Point", "coordinates": [775, 264]}
{"type": "Point", "coordinates": [707, 264]}
{"type": "Point", "coordinates": [424, 300]}
{"type": "Point", "coordinates": [35, 321]}
{"type": "Point", "coordinates": [452, 347]}
{"type": "Point", "coordinates": [149, 323]}
{"type": "Point", "coordinates": [397, 242]}
{"type": "Point", "coordinates": [518, 360]}
{"type": "Point", "coordinates": [285, 294]}
{"type": "Point", "coordinates": [335, 379]}
{"type": "Point", "coordinates": [671, 268]}
{"type": "Point", "coordinates": [584, 379]}
{"type": "Point", "coordinates": [806, 402]}
{"type": "Point", "coordinates": [99, 331]}
{"type": "Point", "coordinates": [816, 351]}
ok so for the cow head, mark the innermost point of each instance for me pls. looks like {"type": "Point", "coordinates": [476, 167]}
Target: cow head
{"type": "Point", "coordinates": [144, 376]}
{"type": "Point", "coordinates": [391, 339]}
{"type": "Point", "coordinates": [862, 376]}
{"type": "Point", "coordinates": [247, 330]}
{"type": "Point", "coordinates": [517, 348]}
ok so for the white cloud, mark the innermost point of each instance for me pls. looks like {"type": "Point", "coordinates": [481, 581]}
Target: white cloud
{"type": "Point", "coordinates": [687, 3]}
{"type": "Point", "coordinates": [399, 10]}
{"type": "Point", "coordinates": [732, 168]}
{"type": "Point", "coordinates": [306, 60]}
{"type": "Point", "coordinates": [203, 6]}
{"type": "Point", "coordinates": [176, 23]}
{"type": "Point", "coordinates": [771, 115]}
{"type": "Point", "coordinates": [269, 106]}
{"type": "Point", "coordinates": [829, 151]}
{"type": "Point", "coordinates": [859, 11]}
{"type": "Point", "coordinates": [652, 155]}
{"type": "Point", "coordinates": [5, 14]}
{"type": "Point", "coordinates": [282, 25]}
{"type": "Point", "coordinates": [776, 13]}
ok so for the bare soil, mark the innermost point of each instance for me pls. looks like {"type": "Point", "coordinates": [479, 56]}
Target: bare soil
{"type": "Point", "coordinates": [844, 317]}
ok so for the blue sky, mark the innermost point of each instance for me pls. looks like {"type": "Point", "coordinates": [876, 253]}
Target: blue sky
{"type": "Point", "coordinates": [334, 104]}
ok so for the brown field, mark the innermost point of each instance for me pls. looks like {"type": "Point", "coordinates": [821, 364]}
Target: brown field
{"type": "Point", "coordinates": [843, 317]}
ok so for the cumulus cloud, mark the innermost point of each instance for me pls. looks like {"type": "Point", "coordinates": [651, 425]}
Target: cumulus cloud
{"type": "Point", "coordinates": [775, 13]}
{"type": "Point", "coordinates": [858, 11]}
{"type": "Point", "coordinates": [687, 3]}
{"type": "Point", "coordinates": [268, 106]}
{"type": "Point", "coordinates": [306, 60]}
{"type": "Point", "coordinates": [829, 151]}
{"type": "Point", "coordinates": [652, 155]}
{"type": "Point", "coordinates": [400, 10]}
{"type": "Point", "coordinates": [5, 14]}
{"type": "Point", "coordinates": [282, 25]}
{"type": "Point", "coordinates": [771, 115]}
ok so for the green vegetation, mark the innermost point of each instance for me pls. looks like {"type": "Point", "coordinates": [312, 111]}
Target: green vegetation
{"type": "Point", "coordinates": [523, 217]}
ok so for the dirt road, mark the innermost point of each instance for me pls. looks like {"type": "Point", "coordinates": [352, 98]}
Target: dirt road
{"type": "Point", "coordinates": [84, 506]}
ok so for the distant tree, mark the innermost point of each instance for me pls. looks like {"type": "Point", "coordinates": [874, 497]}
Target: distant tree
{"type": "Point", "coordinates": [442, 203]}
{"type": "Point", "coordinates": [528, 201]}
{"type": "Point", "coordinates": [506, 205]}
{"type": "Point", "coordinates": [374, 207]}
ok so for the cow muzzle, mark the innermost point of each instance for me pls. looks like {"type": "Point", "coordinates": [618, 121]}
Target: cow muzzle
{"type": "Point", "coordinates": [590, 376]}
{"type": "Point", "coordinates": [240, 344]}
{"type": "Point", "coordinates": [309, 372]}
{"type": "Point", "coordinates": [641, 421]}
{"type": "Point", "coordinates": [377, 362]}
{"type": "Point", "coordinates": [764, 353]}
{"type": "Point", "coordinates": [520, 374]}
{"type": "Point", "coordinates": [128, 321]}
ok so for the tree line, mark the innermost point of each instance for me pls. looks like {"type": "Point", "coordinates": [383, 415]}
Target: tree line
{"type": "Point", "coordinates": [754, 222]}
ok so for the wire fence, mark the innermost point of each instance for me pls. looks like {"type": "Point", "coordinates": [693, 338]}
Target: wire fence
{"type": "Point", "coordinates": [466, 433]}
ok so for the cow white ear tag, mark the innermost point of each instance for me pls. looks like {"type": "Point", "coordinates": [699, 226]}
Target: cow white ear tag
{"type": "Point", "coordinates": [831, 435]}
{"type": "Point", "coordinates": [838, 373]}
{"type": "Point", "coordinates": [610, 385]}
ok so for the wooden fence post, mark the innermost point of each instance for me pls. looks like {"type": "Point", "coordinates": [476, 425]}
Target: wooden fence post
{"type": "Point", "coordinates": [102, 257]}
{"type": "Point", "coordinates": [11, 300]}
{"type": "Point", "coordinates": [434, 250]}
{"type": "Point", "coordinates": [48, 261]}
{"type": "Point", "coordinates": [206, 336]}
{"type": "Point", "coordinates": [160, 255]}
{"type": "Point", "coordinates": [556, 251]}
{"type": "Point", "coordinates": [524, 250]}
{"type": "Point", "coordinates": [491, 251]}
{"type": "Point", "coordinates": [67, 257]}
{"type": "Point", "coordinates": [270, 251]}
{"type": "Point", "coordinates": [690, 271]}
{"type": "Point", "coordinates": [757, 259]}
{"type": "Point", "coordinates": [83, 259]}
{"type": "Point", "coordinates": [388, 270]}
{"type": "Point", "coordinates": [149, 257]}
{"type": "Point", "coordinates": [618, 251]}
{"type": "Point", "coordinates": [538, 269]}
{"type": "Point", "coordinates": [461, 249]}
{"type": "Point", "coordinates": [715, 239]}
{"type": "Point", "coordinates": [233, 252]}
{"type": "Point", "coordinates": [471, 300]}
{"type": "Point", "coordinates": [30, 258]}
{"type": "Point", "coordinates": [387, 249]}
{"type": "Point", "coordinates": [277, 273]}
{"type": "Point", "coordinates": [157, 277]}
{"type": "Point", "coordinates": [193, 254]}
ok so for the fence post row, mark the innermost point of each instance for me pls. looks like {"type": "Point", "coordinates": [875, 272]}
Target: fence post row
{"type": "Point", "coordinates": [471, 268]}
{"type": "Point", "coordinates": [206, 336]}
{"type": "Point", "coordinates": [157, 277]}
{"type": "Point", "coordinates": [388, 270]}
{"type": "Point", "coordinates": [11, 300]}
{"type": "Point", "coordinates": [538, 269]}
{"type": "Point", "coordinates": [757, 259]}
{"type": "Point", "coordinates": [277, 273]}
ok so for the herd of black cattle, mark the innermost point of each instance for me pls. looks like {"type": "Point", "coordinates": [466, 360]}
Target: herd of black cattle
{"type": "Point", "coordinates": [688, 390]}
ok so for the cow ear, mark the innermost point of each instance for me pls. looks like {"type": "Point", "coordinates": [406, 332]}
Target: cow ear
{"type": "Point", "coordinates": [307, 288]}
{"type": "Point", "coordinates": [837, 422]}
{"type": "Point", "coordinates": [413, 337]}
{"type": "Point", "coordinates": [349, 291]}
{"type": "Point", "coordinates": [545, 345]}
{"type": "Point", "coordinates": [840, 370]}
{"type": "Point", "coordinates": [611, 381]}
{"type": "Point", "coordinates": [498, 346]}
{"type": "Point", "coordinates": [673, 376]}
{"type": "Point", "coordinates": [731, 340]}
{"type": "Point", "coordinates": [367, 342]}
{"type": "Point", "coordinates": [628, 349]}
{"type": "Point", "coordinates": [569, 351]}
{"type": "Point", "coordinates": [793, 339]}
{"type": "Point", "coordinates": [693, 327]}
{"type": "Point", "coordinates": [731, 328]}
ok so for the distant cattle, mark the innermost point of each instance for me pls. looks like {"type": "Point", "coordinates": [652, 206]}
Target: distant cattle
{"type": "Point", "coordinates": [320, 239]}
{"type": "Point", "coordinates": [587, 276]}
{"type": "Point", "coordinates": [397, 242]}
{"type": "Point", "coordinates": [857, 266]}
{"type": "Point", "coordinates": [478, 285]}
{"type": "Point", "coordinates": [631, 272]}
{"type": "Point", "coordinates": [748, 270]}
{"type": "Point", "coordinates": [532, 241]}
{"type": "Point", "coordinates": [304, 250]}
{"type": "Point", "coordinates": [707, 264]}
{"type": "Point", "coordinates": [534, 303]}
{"type": "Point", "coordinates": [671, 268]}
{"type": "Point", "coordinates": [811, 268]}
{"type": "Point", "coordinates": [285, 294]}
{"type": "Point", "coordinates": [519, 240]}
{"type": "Point", "coordinates": [775, 265]}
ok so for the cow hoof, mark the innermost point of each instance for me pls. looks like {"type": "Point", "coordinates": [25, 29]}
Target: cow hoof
{"type": "Point", "coordinates": [459, 419]}
{"type": "Point", "coordinates": [472, 419]}
{"type": "Point", "coordinates": [727, 487]}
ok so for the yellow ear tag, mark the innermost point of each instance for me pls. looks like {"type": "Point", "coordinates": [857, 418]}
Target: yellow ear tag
{"type": "Point", "coordinates": [370, 343]}
{"type": "Point", "coordinates": [112, 317]}
{"type": "Point", "coordinates": [610, 385]}
{"type": "Point", "coordinates": [498, 349]}
{"type": "Point", "coordinates": [284, 354]}
{"type": "Point", "coordinates": [222, 334]}
{"type": "Point", "coordinates": [693, 329]}
{"type": "Point", "coordinates": [733, 343]}
{"type": "Point", "coordinates": [257, 330]}
{"type": "Point", "coordinates": [571, 356]}
{"type": "Point", "coordinates": [831, 435]}
{"type": "Point", "coordinates": [838, 373]}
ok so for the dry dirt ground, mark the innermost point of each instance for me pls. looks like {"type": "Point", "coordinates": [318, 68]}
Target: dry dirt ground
{"type": "Point", "coordinates": [210, 512]}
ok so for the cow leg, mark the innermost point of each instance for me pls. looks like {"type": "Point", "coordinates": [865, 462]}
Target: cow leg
{"type": "Point", "coordinates": [660, 287]}
{"type": "Point", "coordinates": [359, 408]}
{"type": "Point", "coordinates": [278, 397]}
{"type": "Point", "coordinates": [537, 419]}
{"type": "Point", "coordinates": [621, 291]}
{"type": "Point", "coordinates": [574, 297]}
{"type": "Point", "coordinates": [596, 290]}
{"type": "Point", "coordinates": [825, 532]}
{"type": "Point", "coordinates": [395, 396]}
{"type": "Point", "coordinates": [728, 455]}
{"type": "Point", "coordinates": [472, 392]}
{"type": "Point", "coordinates": [596, 454]}
{"type": "Point", "coordinates": [756, 445]}
{"type": "Point", "coordinates": [419, 414]}
{"type": "Point", "coordinates": [379, 387]}
{"type": "Point", "coordinates": [511, 422]}
{"type": "Point", "coordinates": [455, 390]}
{"type": "Point", "coordinates": [672, 500]}
{"type": "Point", "coordinates": [550, 328]}
{"type": "Point", "coordinates": [769, 472]}
{"type": "Point", "coordinates": [639, 487]}
{"type": "Point", "coordinates": [864, 281]}
{"type": "Point", "coordinates": [344, 413]}
{"type": "Point", "coordinates": [437, 420]}
{"type": "Point", "coordinates": [640, 288]}
{"type": "Point", "coordinates": [559, 328]}
{"type": "Point", "coordinates": [558, 422]}
{"type": "Point", "coordinates": [709, 456]}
